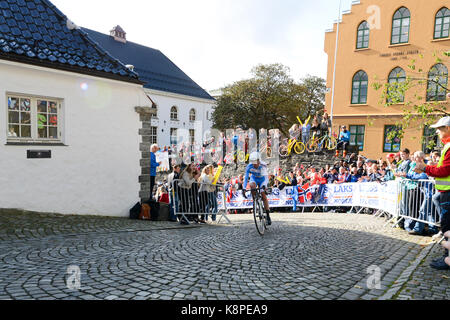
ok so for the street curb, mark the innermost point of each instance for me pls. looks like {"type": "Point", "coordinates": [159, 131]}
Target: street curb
{"type": "Point", "coordinates": [406, 274]}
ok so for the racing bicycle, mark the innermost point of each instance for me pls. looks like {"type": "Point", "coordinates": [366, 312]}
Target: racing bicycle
{"type": "Point", "coordinates": [259, 213]}
{"type": "Point", "coordinates": [285, 149]}
{"type": "Point", "coordinates": [316, 144]}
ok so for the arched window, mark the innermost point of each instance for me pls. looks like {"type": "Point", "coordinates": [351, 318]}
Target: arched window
{"type": "Point", "coordinates": [363, 35]}
{"type": "Point", "coordinates": [437, 83]}
{"type": "Point", "coordinates": [442, 24]}
{"type": "Point", "coordinates": [396, 77]}
{"type": "Point", "coordinates": [192, 115]}
{"type": "Point", "coordinates": [360, 85]}
{"type": "Point", "coordinates": [174, 113]}
{"type": "Point", "coordinates": [400, 26]}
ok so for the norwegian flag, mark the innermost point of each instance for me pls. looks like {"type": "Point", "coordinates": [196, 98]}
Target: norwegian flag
{"type": "Point", "coordinates": [304, 193]}
{"type": "Point", "coordinates": [229, 194]}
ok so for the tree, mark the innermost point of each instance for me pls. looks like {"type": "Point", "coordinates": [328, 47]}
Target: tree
{"type": "Point", "coordinates": [421, 110]}
{"type": "Point", "coordinates": [271, 99]}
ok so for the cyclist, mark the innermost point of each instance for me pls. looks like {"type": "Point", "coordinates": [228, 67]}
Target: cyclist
{"type": "Point", "coordinates": [259, 178]}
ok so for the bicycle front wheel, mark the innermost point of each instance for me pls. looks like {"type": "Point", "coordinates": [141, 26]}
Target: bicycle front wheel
{"type": "Point", "coordinates": [299, 148]}
{"type": "Point", "coordinates": [241, 157]}
{"type": "Point", "coordinates": [258, 214]}
{"type": "Point", "coordinates": [332, 143]}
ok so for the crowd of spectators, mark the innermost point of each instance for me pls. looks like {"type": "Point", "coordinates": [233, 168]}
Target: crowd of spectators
{"type": "Point", "coordinates": [359, 169]}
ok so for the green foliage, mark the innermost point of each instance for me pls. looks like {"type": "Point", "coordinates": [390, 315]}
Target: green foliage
{"type": "Point", "coordinates": [418, 108]}
{"type": "Point", "coordinates": [270, 99]}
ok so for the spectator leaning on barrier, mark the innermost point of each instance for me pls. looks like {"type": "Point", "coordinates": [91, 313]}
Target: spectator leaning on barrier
{"type": "Point", "coordinates": [441, 173]}
{"type": "Point", "coordinates": [425, 196]}
{"type": "Point", "coordinates": [173, 191]}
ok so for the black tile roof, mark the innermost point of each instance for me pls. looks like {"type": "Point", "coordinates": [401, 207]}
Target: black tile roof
{"type": "Point", "coordinates": [154, 68]}
{"type": "Point", "coordinates": [36, 32]}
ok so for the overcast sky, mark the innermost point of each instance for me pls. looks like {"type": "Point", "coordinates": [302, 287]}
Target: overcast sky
{"type": "Point", "coordinates": [217, 42]}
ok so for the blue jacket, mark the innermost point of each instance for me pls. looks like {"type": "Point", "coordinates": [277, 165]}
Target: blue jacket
{"type": "Point", "coordinates": [153, 164]}
{"type": "Point", "coordinates": [345, 136]}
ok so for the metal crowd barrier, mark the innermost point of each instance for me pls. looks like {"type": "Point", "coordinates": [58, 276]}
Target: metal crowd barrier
{"type": "Point", "coordinates": [419, 201]}
{"type": "Point", "coordinates": [200, 199]}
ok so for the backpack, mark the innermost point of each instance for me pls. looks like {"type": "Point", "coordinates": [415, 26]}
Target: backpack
{"type": "Point", "coordinates": [135, 211]}
{"type": "Point", "coordinates": [154, 209]}
{"type": "Point", "coordinates": [145, 212]}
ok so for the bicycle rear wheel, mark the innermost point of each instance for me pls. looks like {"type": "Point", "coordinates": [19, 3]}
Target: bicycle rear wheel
{"type": "Point", "coordinates": [299, 148]}
{"type": "Point", "coordinates": [260, 218]}
{"type": "Point", "coordinates": [283, 151]}
{"type": "Point", "coordinates": [312, 145]}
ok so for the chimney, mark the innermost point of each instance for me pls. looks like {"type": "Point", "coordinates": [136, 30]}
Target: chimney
{"type": "Point", "coordinates": [118, 34]}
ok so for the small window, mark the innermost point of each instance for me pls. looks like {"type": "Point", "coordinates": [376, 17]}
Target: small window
{"type": "Point", "coordinates": [192, 136]}
{"type": "Point", "coordinates": [192, 115]}
{"type": "Point", "coordinates": [173, 136]}
{"type": "Point", "coordinates": [359, 88]}
{"type": "Point", "coordinates": [442, 24]}
{"type": "Point", "coordinates": [363, 35]}
{"type": "Point", "coordinates": [392, 141]}
{"type": "Point", "coordinates": [357, 134]}
{"type": "Point", "coordinates": [400, 26]}
{"type": "Point", "coordinates": [437, 83]}
{"type": "Point", "coordinates": [33, 119]}
{"type": "Point", "coordinates": [395, 79]}
{"type": "Point", "coordinates": [174, 113]}
{"type": "Point", "coordinates": [153, 135]}
{"type": "Point", "coordinates": [154, 111]}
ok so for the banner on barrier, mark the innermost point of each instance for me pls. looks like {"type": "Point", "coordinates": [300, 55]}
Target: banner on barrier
{"type": "Point", "coordinates": [383, 196]}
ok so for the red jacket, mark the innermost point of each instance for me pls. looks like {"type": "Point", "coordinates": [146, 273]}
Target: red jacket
{"type": "Point", "coordinates": [164, 198]}
{"type": "Point", "coordinates": [444, 170]}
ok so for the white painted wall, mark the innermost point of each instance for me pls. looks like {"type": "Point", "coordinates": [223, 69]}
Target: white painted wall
{"type": "Point", "coordinates": [97, 172]}
{"type": "Point", "coordinates": [165, 101]}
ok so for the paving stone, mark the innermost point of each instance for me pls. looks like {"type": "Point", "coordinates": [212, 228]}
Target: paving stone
{"type": "Point", "coordinates": [291, 265]}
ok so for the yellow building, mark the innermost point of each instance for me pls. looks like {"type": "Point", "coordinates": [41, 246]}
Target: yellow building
{"type": "Point", "coordinates": [378, 39]}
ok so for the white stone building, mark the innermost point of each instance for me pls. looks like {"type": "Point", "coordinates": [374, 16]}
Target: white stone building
{"type": "Point", "coordinates": [179, 102]}
{"type": "Point", "coordinates": [75, 121]}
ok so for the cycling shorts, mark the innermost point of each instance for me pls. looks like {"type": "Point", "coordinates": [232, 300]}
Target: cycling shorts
{"type": "Point", "coordinates": [261, 182]}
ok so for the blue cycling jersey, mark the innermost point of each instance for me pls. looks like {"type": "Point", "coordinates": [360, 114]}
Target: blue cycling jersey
{"type": "Point", "coordinates": [258, 175]}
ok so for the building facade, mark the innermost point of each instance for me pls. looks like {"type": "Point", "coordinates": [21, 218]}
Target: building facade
{"type": "Point", "coordinates": [378, 41]}
{"type": "Point", "coordinates": [181, 107]}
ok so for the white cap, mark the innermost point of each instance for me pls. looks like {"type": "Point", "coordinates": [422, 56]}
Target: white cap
{"type": "Point", "coordinates": [444, 122]}
{"type": "Point", "coordinates": [254, 157]}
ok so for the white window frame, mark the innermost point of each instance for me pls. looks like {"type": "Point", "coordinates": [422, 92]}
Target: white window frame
{"type": "Point", "coordinates": [172, 113]}
{"type": "Point", "coordinates": [153, 135]}
{"type": "Point", "coordinates": [173, 136]}
{"type": "Point", "coordinates": [192, 136]}
{"type": "Point", "coordinates": [34, 119]}
{"type": "Point", "coordinates": [192, 115]}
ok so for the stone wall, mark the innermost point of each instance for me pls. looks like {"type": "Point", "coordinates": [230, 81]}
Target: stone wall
{"type": "Point", "coordinates": [145, 116]}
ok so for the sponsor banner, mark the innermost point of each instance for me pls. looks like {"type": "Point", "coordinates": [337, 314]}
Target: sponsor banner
{"type": "Point", "coordinates": [383, 196]}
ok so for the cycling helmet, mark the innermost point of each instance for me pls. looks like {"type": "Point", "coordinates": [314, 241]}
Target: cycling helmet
{"type": "Point", "coordinates": [254, 157]}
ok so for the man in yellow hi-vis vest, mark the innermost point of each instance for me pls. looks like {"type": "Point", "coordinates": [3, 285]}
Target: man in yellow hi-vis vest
{"type": "Point", "coordinates": [441, 173]}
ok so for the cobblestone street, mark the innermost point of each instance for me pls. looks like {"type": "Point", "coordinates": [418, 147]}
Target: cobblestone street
{"type": "Point", "coordinates": [303, 256]}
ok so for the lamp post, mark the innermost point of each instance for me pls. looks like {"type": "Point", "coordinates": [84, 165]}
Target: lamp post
{"type": "Point", "coordinates": [335, 60]}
